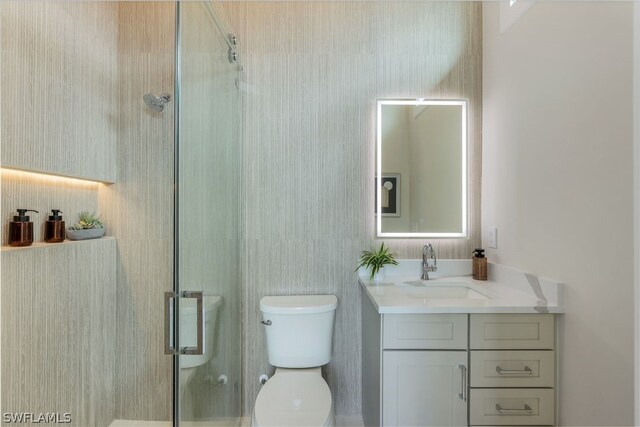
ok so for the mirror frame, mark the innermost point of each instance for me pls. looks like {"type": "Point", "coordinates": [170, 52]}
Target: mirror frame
{"type": "Point", "coordinates": [422, 101]}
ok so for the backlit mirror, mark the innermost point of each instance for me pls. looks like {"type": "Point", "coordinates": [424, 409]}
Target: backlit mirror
{"type": "Point", "coordinates": [421, 172]}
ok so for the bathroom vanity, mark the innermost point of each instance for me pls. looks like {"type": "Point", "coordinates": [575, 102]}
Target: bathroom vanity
{"type": "Point", "coordinates": [455, 351]}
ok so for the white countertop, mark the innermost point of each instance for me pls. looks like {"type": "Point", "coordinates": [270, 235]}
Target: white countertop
{"type": "Point", "coordinates": [507, 290]}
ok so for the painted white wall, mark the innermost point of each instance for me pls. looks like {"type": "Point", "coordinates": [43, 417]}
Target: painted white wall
{"type": "Point", "coordinates": [558, 184]}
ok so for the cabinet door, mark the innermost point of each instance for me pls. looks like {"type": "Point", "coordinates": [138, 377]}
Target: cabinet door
{"type": "Point", "coordinates": [424, 388]}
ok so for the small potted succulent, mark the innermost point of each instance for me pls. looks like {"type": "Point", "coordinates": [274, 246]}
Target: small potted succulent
{"type": "Point", "coordinates": [89, 227]}
{"type": "Point", "coordinates": [375, 260]}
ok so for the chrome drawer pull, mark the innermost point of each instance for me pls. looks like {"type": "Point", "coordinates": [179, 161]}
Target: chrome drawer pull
{"type": "Point", "coordinates": [526, 411]}
{"type": "Point", "coordinates": [526, 371]}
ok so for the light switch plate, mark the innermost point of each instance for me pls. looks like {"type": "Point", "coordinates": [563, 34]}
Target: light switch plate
{"type": "Point", "coordinates": [493, 237]}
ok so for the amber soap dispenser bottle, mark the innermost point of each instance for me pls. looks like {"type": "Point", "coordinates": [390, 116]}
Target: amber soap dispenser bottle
{"type": "Point", "coordinates": [54, 227]}
{"type": "Point", "coordinates": [479, 265]}
{"type": "Point", "coordinates": [21, 229]}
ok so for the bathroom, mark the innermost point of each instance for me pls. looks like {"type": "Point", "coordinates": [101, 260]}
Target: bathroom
{"type": "Point", "coordinates": [250, 171]}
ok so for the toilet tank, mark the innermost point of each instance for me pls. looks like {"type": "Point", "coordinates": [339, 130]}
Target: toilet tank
{"type": "Point", "coordinates": [299, 329]}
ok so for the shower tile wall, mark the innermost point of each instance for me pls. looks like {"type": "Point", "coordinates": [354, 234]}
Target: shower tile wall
{"type": "Point", "coordinates": [85, 117]}
{"type": "Point", "coordinates": [313, 73]}
{"type": "Point", "coordinates": [59, 63]}
{"type": "Point", "coordinates": [59, 102]}
{"type": "Point", "coordinates": [139, 209]}
{"type": "Point", "coordinates": [58, 339]}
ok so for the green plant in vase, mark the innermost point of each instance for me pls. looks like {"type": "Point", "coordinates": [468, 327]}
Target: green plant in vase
{"type": "Point", "coordinates": [87, 220]}
{"type": "Point", "coordinates": [376, 259]}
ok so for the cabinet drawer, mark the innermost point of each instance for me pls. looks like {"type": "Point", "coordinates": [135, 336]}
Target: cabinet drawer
{"type": "Point", "coordinates": [512, 407]}
{"type": "Point", "coordinates": [425, 331]}
{"type": "Point", "coordinates": [512, 331]}
{"type": "Point", "coordinates": [512, 368]}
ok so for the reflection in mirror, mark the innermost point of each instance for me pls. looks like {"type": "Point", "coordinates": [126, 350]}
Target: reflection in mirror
{"type": "Point", "coordinates": [421, 173]}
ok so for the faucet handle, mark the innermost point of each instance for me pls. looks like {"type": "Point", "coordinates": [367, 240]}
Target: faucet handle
{"type": "Point", "coordinates": [428, 252]}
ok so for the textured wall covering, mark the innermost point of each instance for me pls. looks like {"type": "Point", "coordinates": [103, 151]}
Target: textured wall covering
{"type": "Point", "coordinates": [58, 84]}
{"type": "Point", "coordinates": [58, 338]}
{"type": "Point", "coordinates": [313, 73]}
{"type": "Point", "coordinates": [139, 209]}
{"type": "Point", "coordinates": [59, 81]}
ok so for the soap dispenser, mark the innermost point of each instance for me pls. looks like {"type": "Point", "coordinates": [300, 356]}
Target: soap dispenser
{"type": "Point", "coordinates": [54, 227]}
{"type": "Point", "coordinates": [479, 265]}
{"type": "Point", "coordinates": [21, 229]}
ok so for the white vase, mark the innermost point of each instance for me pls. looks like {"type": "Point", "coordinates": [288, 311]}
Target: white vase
{"type": "Point", "coordinates": [379, 276]}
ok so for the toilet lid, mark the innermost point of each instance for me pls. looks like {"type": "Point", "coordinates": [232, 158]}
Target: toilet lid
{"type": "Point", "coordinates": [293, 399]}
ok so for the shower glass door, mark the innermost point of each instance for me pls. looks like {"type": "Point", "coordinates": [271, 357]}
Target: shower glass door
{"type": "Point", "coordinates": [208, 217]}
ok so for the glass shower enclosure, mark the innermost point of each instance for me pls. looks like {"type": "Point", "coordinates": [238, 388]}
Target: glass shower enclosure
{"type": "Point", "coordinates": [204, 325]}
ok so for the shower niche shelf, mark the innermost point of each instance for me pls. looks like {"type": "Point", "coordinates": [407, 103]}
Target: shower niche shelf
{"type": "Point", "coordinates": [43, 245]}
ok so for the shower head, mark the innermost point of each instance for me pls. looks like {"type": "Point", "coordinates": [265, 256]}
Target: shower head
{"type": "Point", "coordinates": [156, 103]}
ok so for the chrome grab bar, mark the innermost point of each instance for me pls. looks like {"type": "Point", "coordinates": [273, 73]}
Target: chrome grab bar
{"type": "Point", "coordinates": [463, 370]}
{"type": "Point", "coordinates": [524, 372]}
{"type": "Point", "coordinates": [525, 411]}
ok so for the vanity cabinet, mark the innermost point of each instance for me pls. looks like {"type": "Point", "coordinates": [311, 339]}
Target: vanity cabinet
{"type": "Point", "coordinates": [457, 369]}
{"type": "Point", "coordinates": [512, 372]}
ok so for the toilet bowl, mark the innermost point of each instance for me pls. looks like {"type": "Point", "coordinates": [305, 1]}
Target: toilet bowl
{"type": "Point", "coordinates": [299, 332]}
{"type": "Point", "coordinates": [294, 397]}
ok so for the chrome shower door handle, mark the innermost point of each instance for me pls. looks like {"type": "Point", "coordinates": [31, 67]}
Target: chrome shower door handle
{"type": "Point", "coordinates": [199, 348]}
{"type": "Point", "coordinates": [169, 343]}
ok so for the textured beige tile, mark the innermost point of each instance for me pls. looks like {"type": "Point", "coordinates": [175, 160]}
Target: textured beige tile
{"type": "Point", "coordinates": [139, 207]}
{"type": "Point", "coordinates": [58, 332]}
{"type": "Point", "coordinates": [59, 87]}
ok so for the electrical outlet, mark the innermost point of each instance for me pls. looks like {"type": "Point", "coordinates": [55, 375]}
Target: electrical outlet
{"type": "Point", "coordinates": [493, 237]}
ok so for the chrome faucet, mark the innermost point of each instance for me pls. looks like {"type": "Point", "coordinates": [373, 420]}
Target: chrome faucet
{"type": "Point", "coordinates": [428, 253]}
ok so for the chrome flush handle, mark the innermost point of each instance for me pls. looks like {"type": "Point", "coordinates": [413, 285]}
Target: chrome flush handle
{"type": "Point", "coordinates": [267, 323]}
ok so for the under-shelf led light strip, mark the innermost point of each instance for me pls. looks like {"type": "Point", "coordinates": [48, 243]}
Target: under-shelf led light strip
{"type": "Point", "coordinates": [9, 173]}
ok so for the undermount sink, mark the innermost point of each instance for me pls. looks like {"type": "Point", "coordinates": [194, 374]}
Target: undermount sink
{"type": "Point", "coordinates": [451, 290]}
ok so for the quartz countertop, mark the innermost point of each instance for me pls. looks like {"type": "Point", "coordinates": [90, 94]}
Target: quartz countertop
{"type": "Point", "coordinates": [507, 290]}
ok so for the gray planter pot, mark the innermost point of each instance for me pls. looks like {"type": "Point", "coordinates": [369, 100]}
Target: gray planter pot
{"type": "Point", "coordinates": [88, 233]}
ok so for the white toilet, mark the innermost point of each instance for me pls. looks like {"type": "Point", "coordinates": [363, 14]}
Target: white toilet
{"type": "Point", "coordinates": [299, 330]}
